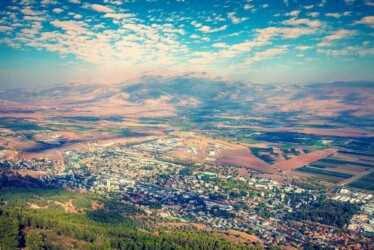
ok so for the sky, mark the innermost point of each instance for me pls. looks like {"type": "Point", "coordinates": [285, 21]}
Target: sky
{"type": "Point", "coordinates": [292, 41]}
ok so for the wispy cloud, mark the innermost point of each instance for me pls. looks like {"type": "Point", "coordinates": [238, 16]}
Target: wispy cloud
{"type": "Point", "coordinates": [340, 34]}
{"type": "Point", "coordinates": [101, 8]}
{"type": "Point", "coordinates": [368, 20]}
{"type": "Point", "coordinates": [303, 21]}
{"type": "Point", "coordinates": [236, 20]}
{"type": "Point", "coordinates": [208, 29]}
{"type": "Point", "coordinates": [216, 37]}
{"type": "Point", "coordinates": [269, 53]}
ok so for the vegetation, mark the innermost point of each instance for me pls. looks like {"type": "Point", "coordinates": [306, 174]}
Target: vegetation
{"type": "Point", "coordinates": [113, 226]}
{"type": "Point", "coordinates": [269, 157]}
{"type": "Point", "coordinates": [307, 185]}
{"type": "Point", "coordinates": [84, 118]}
{"type": "Point", "coordinates": [126, 132]}
{"type": "Point", "coordinates": [329, 212]}
{"type": "Point", "coordinates": [366, 182]}
{"type": "Point", "coordinates": [324, 172]}
{"type": "Point", "coordinates": [72, 126]}
{"type": "Point", "coordinates": [24, 126]}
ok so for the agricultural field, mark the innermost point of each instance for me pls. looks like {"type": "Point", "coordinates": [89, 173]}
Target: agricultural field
{"type": "Point", "coordinates": [326, 175]}
{"type": "Point", "coordinates": [266, 154]}
{"type": "Point", "coordinates": [365, 182]}
{"type": "Point", "coordinates": [340, 166]}
{"type": "Point", "coordinates": [303, 160]}
{"type": "Point", "coordinates": [290, 153]}
{"type": "Point", "coordinates": [346, 163]}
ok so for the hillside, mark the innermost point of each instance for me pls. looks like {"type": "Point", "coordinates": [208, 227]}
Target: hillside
{"type": "Point", "coordinates": [53, 218]}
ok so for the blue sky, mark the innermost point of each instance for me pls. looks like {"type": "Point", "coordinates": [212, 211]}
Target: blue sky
{"type": "Point", "coordinates": [50, 41]}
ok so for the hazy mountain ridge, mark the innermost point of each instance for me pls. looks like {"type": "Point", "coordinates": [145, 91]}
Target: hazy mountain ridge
{"type": "Point", "coordinates": [184, 92]}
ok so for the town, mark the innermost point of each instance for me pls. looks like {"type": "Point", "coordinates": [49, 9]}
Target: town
{"type": "Point", "coordinates": [219, 197]}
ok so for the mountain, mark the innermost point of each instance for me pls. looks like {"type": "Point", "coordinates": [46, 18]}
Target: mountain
{"type": "Point", "coordinates": [181, 93]}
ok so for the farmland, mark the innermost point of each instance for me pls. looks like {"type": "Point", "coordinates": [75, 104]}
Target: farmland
{"type": "Point", "coordinates": [334, 177]}
{"type": "Point", "coordinates": [303, 160]}
{"type": "Point", "coordinates": [340, 166]}
{"type": "Point", "coordinates": [241, 125]}
{"type": "Point", "coordinates": [365, 183]}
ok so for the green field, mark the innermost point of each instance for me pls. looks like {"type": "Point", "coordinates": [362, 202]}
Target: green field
{"type": "Point", "coordinates": [338, 162]}
{"type": "Point", "coordinates": [183, 125]}
{"type": "Point", "coordinates": [84, 118]}
{"type": "Point", "coordinates": [126, 132]}
{"type": "Point", "coordinates": [24, 126]}
{"type": "Point", "coordinates": [326, 175]}
{"type": "Point", "coordinates": [366, 182]}
{"type": "Point", "coordinates": [71, 126]}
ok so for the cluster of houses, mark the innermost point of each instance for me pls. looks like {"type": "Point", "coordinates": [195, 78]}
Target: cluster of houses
{"type": "Point", "coordinates": [364, 221]}
{"type": "Point", "coordinates": [200, 196]}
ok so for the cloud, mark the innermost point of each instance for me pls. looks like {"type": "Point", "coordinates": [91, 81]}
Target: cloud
{"type": "Point", "coordinates": [120, 33]}
{"type": "Point", "coordinates": [34, 18]}
{"type": "Point", "coordinates": [118, 15]}
{"type": "Point", "coordinates": [28, 11]}
{"type": "Point", "coordinates": [57, 10]}
{"type": "Point", "coordinates": [5, 28]}
{"type": "Point", "coordinates": [46, 2]}
{"type": "Point", "coordinates": [293, 13]}
{"type": "Point", "coordinates": [349, 2]}
{"type": "Point", "coordinates": [101, 8]}
{"type": "Point", "coordinates": [350, 50]}
{"type": "Point", "coordinates": [368, 20]}
{"type": "Point", "coordinates": [336, 35]}
{"type": "Point", "coordinates": [324, 44]}
{"type": "Point", "coordinates": [208, 29]}
{"type": "Point", "coordinates": [266, 54]}
{"type": "Point", "coordinates": [219, 45]}
{"type": "Point", "coordinates": [313, 14]}
{"type": "Point", "coordinates": [248, 6]}
{"type": "Point", "coordinates": [196, 24]}
{"type": "Point", "coordinates": [303, 21]}
{"type": "Point", "coordinates": [340, 34]}
{"type": "Point", "coordinates": [369, 2]}
{"type": "Point", "coordinates": [338, 15]}
{"type": "Point", "coordinates": [366, 52]}
{"type": "Point", "coordinates": [71, 26]}
{"type": "Point", "coordinates": [303, 47]}
{"type": "Point", "coordinates": [267, 33]}
{"type": "Point", "coordinates": [168, 28]}
{"type": "Point", "coordinates": [236, 20]}
{"type": "Point", "coordinates": [247, 46]}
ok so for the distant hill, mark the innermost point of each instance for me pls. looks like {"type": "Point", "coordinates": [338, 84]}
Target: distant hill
{"type": "Point", "coordinates": [181, 92]}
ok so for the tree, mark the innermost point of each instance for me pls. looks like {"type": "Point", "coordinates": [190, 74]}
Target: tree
{"type": "Point", "coordinates": [9, 233]}
{"type": "Point", "coordinates": [35, 241]}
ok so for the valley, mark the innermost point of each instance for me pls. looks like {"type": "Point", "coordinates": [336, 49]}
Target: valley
{"type": "Point", "coordinates": [240, 156]}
